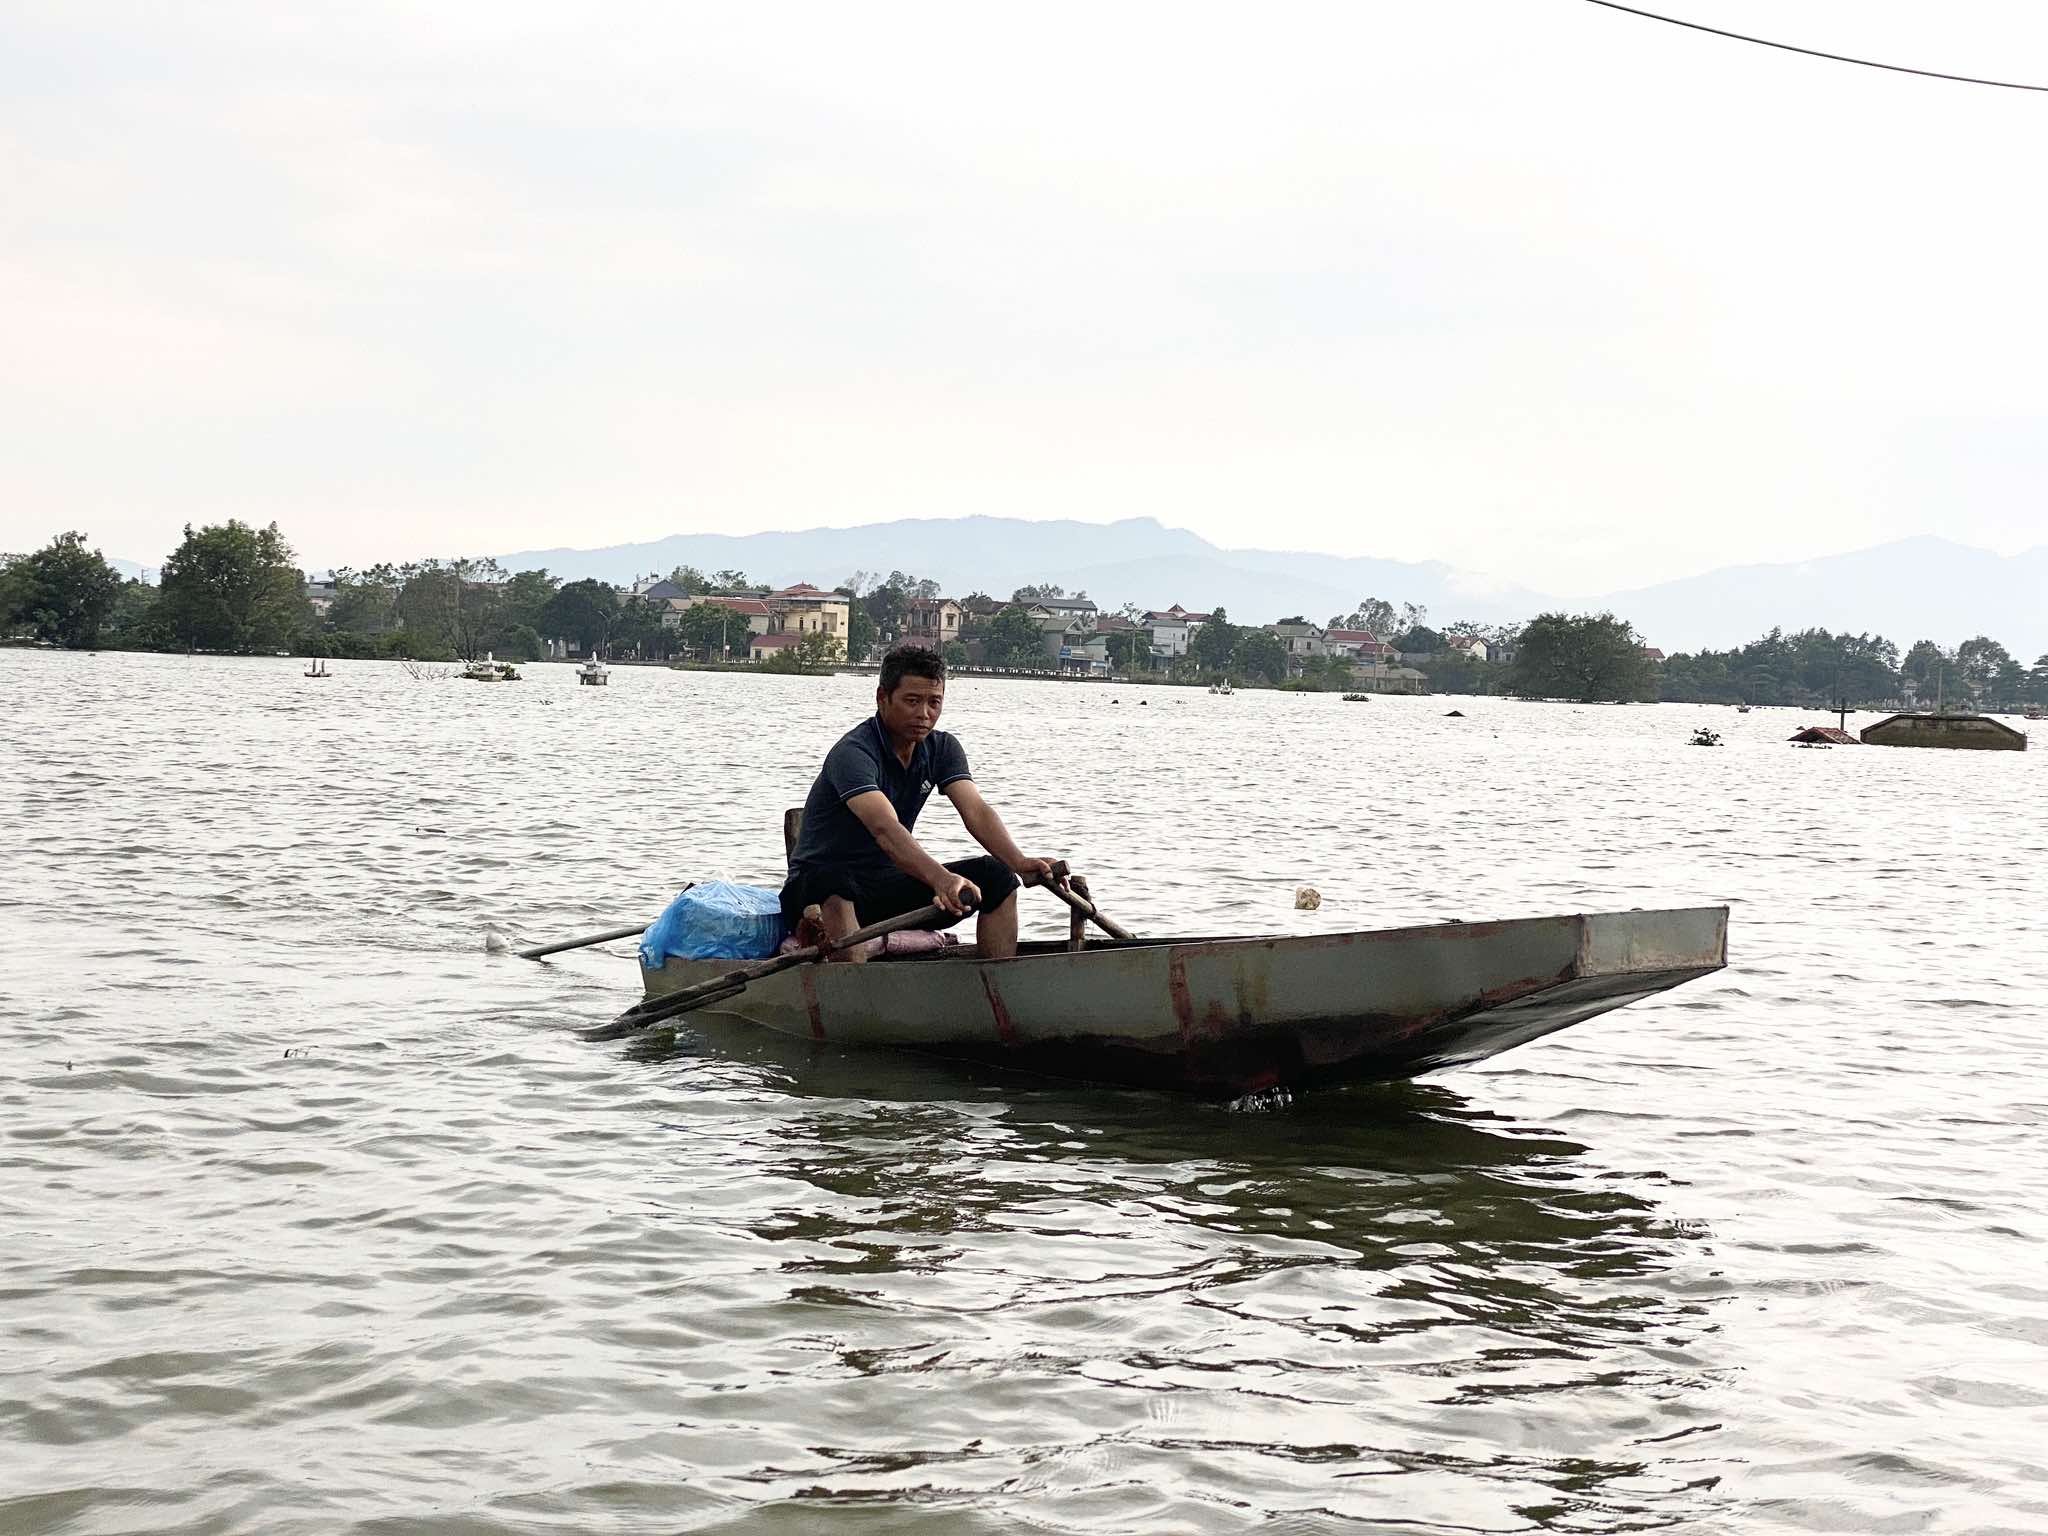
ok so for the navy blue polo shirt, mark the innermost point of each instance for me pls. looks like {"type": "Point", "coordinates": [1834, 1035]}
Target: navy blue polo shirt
{"type": "Point", "coordinates": [832, 836]}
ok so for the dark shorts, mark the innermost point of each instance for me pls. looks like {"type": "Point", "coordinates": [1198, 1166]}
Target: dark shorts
{"type": "Point", "coordinates": [877, 894]}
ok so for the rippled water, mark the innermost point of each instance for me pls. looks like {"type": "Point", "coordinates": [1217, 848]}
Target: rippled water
{"type": "Point", "coordinates": [318, 1219]}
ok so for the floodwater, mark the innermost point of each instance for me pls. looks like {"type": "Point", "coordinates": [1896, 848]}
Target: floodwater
{"type": "Point", "coordinates": [316, 1217]}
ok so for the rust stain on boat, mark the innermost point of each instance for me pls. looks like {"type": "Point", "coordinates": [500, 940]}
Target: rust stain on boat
{"type": "Point", "coordinates": [810, 987]}
{"type": "Point", "coordinates": [1177, 990]}
{"type": "Point", "coordinates": [1005, 1030]}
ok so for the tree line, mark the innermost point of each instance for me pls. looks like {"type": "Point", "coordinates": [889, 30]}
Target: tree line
{"type": "Point", "coordinates": [236, 588]}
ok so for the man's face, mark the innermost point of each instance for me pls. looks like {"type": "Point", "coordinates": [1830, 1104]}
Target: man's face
{"type": "Point", "coordinates": [913, 709]}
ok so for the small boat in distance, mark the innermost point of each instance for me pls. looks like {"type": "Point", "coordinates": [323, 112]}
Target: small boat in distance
{"type": "Point", "coordinates": [1222, 687]}
{"type": "Point", "coordinates": [1742, 709]}
{"type": "Point", "coordinates": [1224, 1017]}
{"type": "Point", "coordinates": [319, 669]}
{"type": "Point", "coordinates": [594, 673]}
{"type": "Point", "coordinates": [1357, 698]}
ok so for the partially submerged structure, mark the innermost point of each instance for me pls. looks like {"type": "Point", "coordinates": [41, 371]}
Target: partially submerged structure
{"type": "Point", "coordinates": [1823, 736]}
{"type": "Point", "coordinates": [1976, 732]}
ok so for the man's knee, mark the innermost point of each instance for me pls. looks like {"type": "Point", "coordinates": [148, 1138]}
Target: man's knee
{"type": "Point", "coordinates": [993, 879]}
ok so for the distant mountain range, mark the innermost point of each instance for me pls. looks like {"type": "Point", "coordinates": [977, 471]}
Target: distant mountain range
{"type": "Point", "coordinates": [1914, 588]}
{"type": "Point", "coordinates": [1137, 560]}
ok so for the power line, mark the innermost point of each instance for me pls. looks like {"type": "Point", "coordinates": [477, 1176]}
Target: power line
{"type": "Point", "coordinates": [1816, 53]}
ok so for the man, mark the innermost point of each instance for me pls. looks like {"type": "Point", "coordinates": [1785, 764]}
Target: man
{"type": "Point", "coordinates": [855, 858]}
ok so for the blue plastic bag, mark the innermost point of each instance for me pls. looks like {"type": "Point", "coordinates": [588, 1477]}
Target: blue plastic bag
{"type": "Point", "coordinates": [716, 921]}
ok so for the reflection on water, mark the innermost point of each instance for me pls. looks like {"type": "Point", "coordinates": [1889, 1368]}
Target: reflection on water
{"type": "Point", "coordinates": [319, 1218]}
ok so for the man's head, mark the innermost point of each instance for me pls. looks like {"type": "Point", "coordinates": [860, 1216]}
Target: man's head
{"type": "Point", "coordinates": [912, 691]}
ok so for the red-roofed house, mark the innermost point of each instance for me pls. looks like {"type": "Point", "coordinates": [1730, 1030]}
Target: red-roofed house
{"type": "Point", "coordinates": [803, 609]}
{"type": "Point", "coordinates": [1358, 643]}
{"type": "Point", "coordinates": [761, 647]}
{"type": "Point", "coordinates": [1172, 629]}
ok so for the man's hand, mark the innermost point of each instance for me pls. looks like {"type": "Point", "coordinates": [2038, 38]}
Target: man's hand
{"type": "Point", "coordinates": [956, 894]}
{"type": "Point", "coordinates": [1041, 872]}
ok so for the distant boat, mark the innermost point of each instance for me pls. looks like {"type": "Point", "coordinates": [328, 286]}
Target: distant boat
{"type": "Point", "coordinates": [593, 672]}
{"type": "Point", "coordinates": [2034, 712]}
{"type": "Point", "coordinates": [1357, 698]}
{"type": "Point", "coordinates": [1742, 709]}
{"type": "Point", "coordinates": [1222, 687]}
{"type": "Point", "coordinates": [319, 669]}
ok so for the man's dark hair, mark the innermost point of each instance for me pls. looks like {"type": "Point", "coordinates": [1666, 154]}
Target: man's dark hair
{"type": "Point", "coordinates": [909, 660]}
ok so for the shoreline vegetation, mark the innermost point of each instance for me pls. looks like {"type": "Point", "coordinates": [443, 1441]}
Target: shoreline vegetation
{"type": "Point", "coordinates": [235, 589]}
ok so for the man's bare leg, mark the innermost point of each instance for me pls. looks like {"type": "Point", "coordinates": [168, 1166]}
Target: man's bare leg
{"type": "Point", "coordinates": [995, 930]}
{"type": "Point", "coordinates": [840, 920]}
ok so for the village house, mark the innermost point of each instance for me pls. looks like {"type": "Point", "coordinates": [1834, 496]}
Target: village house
{"type": "Point", "coordinates": [1070, 607]}
{"type": "Point", "coordinates": [1302, 640]}
{"type": "Point", "coordinates": [934, 622]}
{"type": "Point", "coordinates": [1373, 677]}
{"type": "Point", "coordinates": [804, 610]}
{"type": "Point", "coordinates": [761, 647]}
{"type": "Point", "coordinates": [1359, 644]}
{"type": "Point", "coordinates": [1172, 629]}
{"type": "Point", "coordinates": [1470, 646]}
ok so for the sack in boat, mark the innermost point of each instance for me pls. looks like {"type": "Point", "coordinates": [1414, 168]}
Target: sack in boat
{"type": "Point", "coordinates": [716, 921]}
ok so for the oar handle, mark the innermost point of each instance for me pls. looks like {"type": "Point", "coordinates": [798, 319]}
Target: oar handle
{"type": "Point", "coordinates": [730, 983]}
{"type": "Point", "coordinates": [588, 939]}
{"type": "Point", "coordinates": [1080, 904]}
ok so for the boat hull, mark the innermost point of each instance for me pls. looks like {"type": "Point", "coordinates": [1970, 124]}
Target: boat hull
{"type": "Point", "coordinates": [1233, 1016]}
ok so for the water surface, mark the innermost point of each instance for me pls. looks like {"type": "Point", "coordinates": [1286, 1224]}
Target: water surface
{"type": "Point", "coordinates": [317, 1218]}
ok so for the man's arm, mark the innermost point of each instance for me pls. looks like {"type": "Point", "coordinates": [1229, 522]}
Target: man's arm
{"type": "Point", "coordinates": [987, 829]}
{"type": "Point", "coordinates": [879, 817]}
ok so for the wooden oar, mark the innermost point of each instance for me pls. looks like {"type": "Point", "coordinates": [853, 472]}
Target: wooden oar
{"type": "Point", "coordinates": [588, 939]}
{"type": "Point", "coordinates": [731, 983]}
{"type": "Point", "coordinates": [1081, 903]}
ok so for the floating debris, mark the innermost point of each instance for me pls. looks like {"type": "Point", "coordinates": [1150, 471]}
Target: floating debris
{"type": "Point", "coordinates": [1705, 738]}
{"type": "Point", "coordinates": [1307, 898]}
{"type": "Point", "coordinates": [1454, 714]}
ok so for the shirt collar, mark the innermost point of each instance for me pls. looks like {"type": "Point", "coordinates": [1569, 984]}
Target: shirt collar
{"type": "Point", "coordinates": [887, 748]}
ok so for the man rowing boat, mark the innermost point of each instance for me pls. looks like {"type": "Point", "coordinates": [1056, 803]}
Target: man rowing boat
{"type": "Point", "coordinates": [855, 858]}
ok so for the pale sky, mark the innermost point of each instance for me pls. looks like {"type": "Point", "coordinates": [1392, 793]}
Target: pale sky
{"type": "Point", "coordinates": [1553, 293]}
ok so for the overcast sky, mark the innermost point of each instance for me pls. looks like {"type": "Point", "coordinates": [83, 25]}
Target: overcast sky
{"type": "Point", "coordinates": [1547, 291]}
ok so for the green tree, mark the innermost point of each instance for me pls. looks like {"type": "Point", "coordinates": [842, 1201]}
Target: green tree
{"type": "Point", "coordinates": [730, 581]}
{"type": "Point", "coordinates": [1374, 615]}
{"type": "Point", "coordinates": [1258, 653]}
{"type": "Point", "coordinates": [639, 627]}
{"type": "Point", "coordinates": [1214, 644]}
{"type": "Point", "coordinates": [231, 587]}
{"type": "Point", "coordinates": [1979, 660]}
{"type": "Point", "coordinates": [526, 597]}
{"type": "Point", "coordinates": [63, 593]}
{"type": "Point", "coordinates": [365, 602]}
{"type": "Point", "coordinates": [1038, 594]}
{"type": "Point", "coordinates": [582, 613]}
{"type": "Point", "coordinates": [1014, 640]}
{"type": "Point", "coordinates": [134, 621]}
{"type": "Point", "coordinates": [1420, 640]}
{"type": "Point", "coordinates": [860, 632]}
{"type": "Point", "coordinates": [713, 632]}
{"type": "Point", "coordinates": [691, 580]}
{"type": "Point", "coordinates": [955, 654]}
{"type": "Point", "coordinates": [1588, 657]}
{"type": "Point", "coordinates": [1130, 650]}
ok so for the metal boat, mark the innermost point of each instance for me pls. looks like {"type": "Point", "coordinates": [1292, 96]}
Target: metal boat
{"type": "Point", "coordinates": [1230, 1016]}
